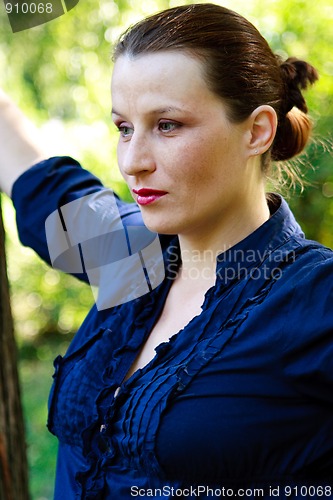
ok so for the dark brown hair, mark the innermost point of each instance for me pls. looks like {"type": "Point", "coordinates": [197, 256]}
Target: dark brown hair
{"type": "Point", "coordinates": [239, 67]}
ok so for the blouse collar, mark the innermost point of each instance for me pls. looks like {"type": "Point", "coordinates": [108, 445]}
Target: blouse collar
{"type": "Point", "coordinates": [259, 245]}
{"type": "Point", "coordinates": [252, 250]}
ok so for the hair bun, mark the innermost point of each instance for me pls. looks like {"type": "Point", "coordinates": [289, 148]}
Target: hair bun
{"type": "Point", "coordinates": [297, 75]}
{"type": "Point", "coordinates": [294, 126]}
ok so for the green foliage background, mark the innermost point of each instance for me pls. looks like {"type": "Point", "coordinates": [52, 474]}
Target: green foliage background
{"type": "Point", "coordinates": [59, 74]}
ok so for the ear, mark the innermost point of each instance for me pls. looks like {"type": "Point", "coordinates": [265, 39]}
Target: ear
{"type": "Point", "coordinates": [263, 124]}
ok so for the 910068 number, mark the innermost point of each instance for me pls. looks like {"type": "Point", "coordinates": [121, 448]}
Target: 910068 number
{"type": "Point", "coordinates": [308, 491]}
{"type": "Point", "coordinates": [29, 8]}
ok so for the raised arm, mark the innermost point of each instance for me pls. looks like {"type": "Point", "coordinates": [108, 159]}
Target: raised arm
{"type": "Point", "coordinates": [20, 147]}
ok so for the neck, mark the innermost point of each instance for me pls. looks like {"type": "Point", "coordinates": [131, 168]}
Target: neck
{"type": "Point", "coordinates": [199, 249]}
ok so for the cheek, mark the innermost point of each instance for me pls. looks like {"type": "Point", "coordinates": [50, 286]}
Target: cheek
{"type": "Point", "coordinates": [200, 162]}
{"type": "Point", "coordinates": [191, 159]}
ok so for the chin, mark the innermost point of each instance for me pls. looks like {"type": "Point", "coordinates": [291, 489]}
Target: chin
{"type": "Point", "coordinates": [159, 226]}
{"type": "Point", "coordinates": [160, 229]}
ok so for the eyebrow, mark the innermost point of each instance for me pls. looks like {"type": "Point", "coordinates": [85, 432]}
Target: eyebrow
{"type": "Point", "coordinates": [159, 111]}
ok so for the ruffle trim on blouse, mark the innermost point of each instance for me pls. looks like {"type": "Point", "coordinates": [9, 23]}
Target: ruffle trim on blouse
{"type": "Point", "coordinates": [100, 449]}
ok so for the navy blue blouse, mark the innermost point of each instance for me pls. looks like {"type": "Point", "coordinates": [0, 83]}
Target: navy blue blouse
{"type": "Point", "coordinates": [241, 398]}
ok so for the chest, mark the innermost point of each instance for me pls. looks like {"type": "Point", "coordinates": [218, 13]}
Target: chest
{"type": "Point", "coordinates": [183, 303]}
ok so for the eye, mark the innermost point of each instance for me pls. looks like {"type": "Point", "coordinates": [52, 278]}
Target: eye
{"type": "Point", "coordinates": [125, 130]}
{"type": "Point", "coordinates": [166, 126]}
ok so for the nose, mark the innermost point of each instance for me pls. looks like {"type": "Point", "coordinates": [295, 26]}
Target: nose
{"type": "Point", "coordinates": [136, 156]}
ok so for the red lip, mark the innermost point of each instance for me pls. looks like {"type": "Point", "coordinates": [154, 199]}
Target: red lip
{"type": "Point", "coordinates": [148, 192]}
{"type": "Point", "coordinates": [146, 196]}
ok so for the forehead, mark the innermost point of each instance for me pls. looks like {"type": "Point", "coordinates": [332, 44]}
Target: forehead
{"type": "Point", "coordinates": [169, 62]}
{"type": "Point", "coordinates": [169, 75]}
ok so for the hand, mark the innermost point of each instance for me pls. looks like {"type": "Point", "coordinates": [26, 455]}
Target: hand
{"type": "Point", "coordinates": [20, 144]}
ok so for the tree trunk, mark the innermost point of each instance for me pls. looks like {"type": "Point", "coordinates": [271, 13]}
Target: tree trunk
{"type": "Point", "coordinates": [13, 461]}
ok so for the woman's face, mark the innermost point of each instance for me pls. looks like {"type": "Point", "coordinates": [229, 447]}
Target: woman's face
{"type": "Point", "coordinates": [184, 161]}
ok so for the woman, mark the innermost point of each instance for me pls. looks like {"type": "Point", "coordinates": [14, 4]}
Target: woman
{"type": "Point", "coordinates": [237, 398]}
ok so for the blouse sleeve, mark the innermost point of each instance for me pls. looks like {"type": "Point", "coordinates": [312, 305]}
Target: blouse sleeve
{"type": "Point", "coordinates": [80, 227]}
{"type": "Point", "coordinates": [53, 187]}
